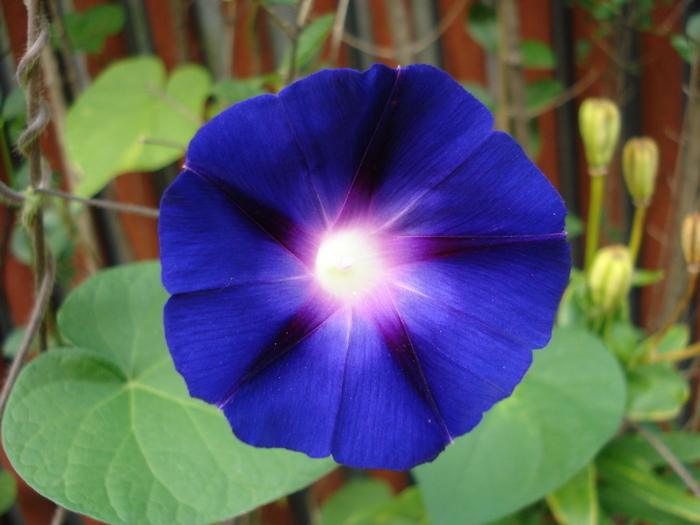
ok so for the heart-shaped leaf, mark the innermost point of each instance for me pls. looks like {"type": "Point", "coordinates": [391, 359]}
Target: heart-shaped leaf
{"type": "Point", "coordinates": [132, 119]}
{"type": "Point", "coordinates": [657, 392]}
{"type": "Point", "coordinates": [569, 404]}
{"type": "Point", "coordinates": [108, 428]}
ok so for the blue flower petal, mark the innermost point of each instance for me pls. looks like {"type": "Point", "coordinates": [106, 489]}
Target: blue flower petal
{"type": "Point", "coordinates": [295, 159]}
{"type": "Point", "coordinates": [496, 191]}
{"type": "Point", "coordinates": [385, 419]}
{"type": "Point", "coordinates": [360, 378]}
{"type": "Point", "coordinates": [429, 126]}
{"type": "Point", "coordinates": [468, 365]}
{"type": "Point", "coordinates": [335, 131]}
{"type": "Point", "coordinates": [202, 250]}
{"type": "Point", "coordinates": [511, 288]}
{"type": "Point", "coordinates": [215, 337]}
{"type": "Point", "coordinates": [293, 402]}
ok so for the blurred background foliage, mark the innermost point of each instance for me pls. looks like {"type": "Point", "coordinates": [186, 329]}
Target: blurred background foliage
{"type": "Point", "coordinates": [129, 82]}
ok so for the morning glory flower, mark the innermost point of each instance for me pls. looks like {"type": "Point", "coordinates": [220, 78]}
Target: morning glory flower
{"type": "Point", "coordinates": [359, 266]}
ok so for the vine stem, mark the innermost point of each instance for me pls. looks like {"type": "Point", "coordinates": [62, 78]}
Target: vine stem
{"type": "Point", "coordinates": [668, 455]}
{"type": "Point", "coordinates": [99, 203]}
{"type": "Point", "coordinates": [677, 355]}
{"type": "Point", "coordinates": [59, 516]}
{"type": "Point", "coordinates": [512, 91]}
{"type": "Point", "coordinates": [302, 16]}
{"type": "Point", "coordinates": [28, 73]}
{"type": "Point", "coordinates": [338, 29]}
{"type": "Point", "coordinates": [415, 47]}
{"type": "Point", "coordinates": [637, 232]}
{"type": "Point", "coordinates": [595, 207]}
{"type": "Point", "coordinates": [33, 327]}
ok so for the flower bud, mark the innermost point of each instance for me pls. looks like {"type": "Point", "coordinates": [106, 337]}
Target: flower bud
{"type": "Point", "coordinates": [690, 241]}
{"type": "Point", "coordinates": [610, 277]}
{"type": "Point", "coordinates": [599, 122]}
{"type": "Point", "coordinates": [640, 164]}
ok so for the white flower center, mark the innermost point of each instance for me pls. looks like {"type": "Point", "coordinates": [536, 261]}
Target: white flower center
{"type": "Point", "coordinates": [348, 264]}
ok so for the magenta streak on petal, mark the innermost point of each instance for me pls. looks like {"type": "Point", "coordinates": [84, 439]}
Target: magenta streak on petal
{"type": "Point", "coordinates": [357, 201]}
{"type": "Point", "coordinates": [311, 316]}
{"type": "Point", "coordinates": [391, 326]}
{"type": "Point", "coordinates": [287, 234]}
{"type": "Point", "coordinates": [406, 249]}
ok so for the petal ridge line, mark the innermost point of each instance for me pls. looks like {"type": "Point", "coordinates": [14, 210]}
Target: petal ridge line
{"type": "Point", "coordinates": [302, 277]}
{"type": "Point", "coordinates": [464, 314]}
{"type": "Point", "coordinates": [342, 386]}
{"type": "Point", "coordinates": [309, 319]}
{"type": "Point", "coordinates": [507, 336]}
{"type": "Point", "coordinates": [409, 206]}
{"type": "Point", "coordinates": [310, 180]}
{"type": "Point", "coordinates": [386, 112]}
{"type": "Point", "coordinates": [426, 247]}
{"type": "Point", "coordinates": [278, 227]}
{"type": "Point", "coordinates": [410, 364]}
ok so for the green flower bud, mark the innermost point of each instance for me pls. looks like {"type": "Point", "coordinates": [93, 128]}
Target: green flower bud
{"type": "Point", "coordinates": [610, 277]}
{"type": "Point", "coordinates": [640, 164]}
{"type": "Point", "coordinates": [599, 122]}
{"type": "Point", "coordinates": [690, 241]}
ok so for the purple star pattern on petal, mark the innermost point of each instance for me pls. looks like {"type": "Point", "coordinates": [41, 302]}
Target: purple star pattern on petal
{"type": "Point", "coordinates": [359, 266]}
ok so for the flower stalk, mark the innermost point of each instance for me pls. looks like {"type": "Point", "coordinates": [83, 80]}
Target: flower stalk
{"type": "Point", "coordinates": [595, 209]}
{"type": "Point", "coordinates": [635, 242]}
{"type": "Point", "coordinates": [640, 165]}
{"type": "Point", "coordinates": [599, 124]}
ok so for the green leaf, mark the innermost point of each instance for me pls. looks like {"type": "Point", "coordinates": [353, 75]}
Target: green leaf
{"type": "Point", "coordinates": [536, 514]}
{"type": "Point", "coordinates": [646, 277]}
{"type": "Point", "coordinates": [230, 92]}
{"type": "Point", "coordinates": [542, 93]}
{"type": "Point", "coordinates": [311, 39]}
{"type": "Point", "coordinates": [481, 94]}
{"type": "Point", "coordinates": [280, 2]}
{"type": "Point", "coordinates": [14, 105]}
{"type": "Point", "coordinates": [58, 236]}
{"type": "Point", "coordinates": [108, 429]}
{"type": "Point", "coordinates": [370, 502]}
{"type": "Point", "coordinates": [575, 226]}
{"type": "Point", "coordinates": [535, 146]}
{"type": "Point", "coordinates": [618, 501]}
{"type": "Point", "coordinates": [354, 497]}
{"type": "Point", "coordinates": [129, 102]}
{"type": "Point", "coordinates": [8, 491]}
{"type": "Point", "coordinates": [645, 490]}
{"type": "Point", "coordinates": [537, 55]}
{"type": "Point", "coordinates": [482, 26]}
{"type": "Point", "coordinates": [685, 47]}
{"type": "Point", "coordinates": [12, 342]}
{"type": "Point", "coordinates": [692, 28]}
{"type": "Point", "coordinates": [582, 50]}
{"type": "Point", "coordinates": [676, 338]}
{"type": "Point", "coordinates": [657, 392]}
{"type": "Point", "coordinates": [569, 404]}
{"type": "Point", "coordinates": [405, 509]}
{"type": "Point", "coordinates": [571, 314]}
{"type": "Point", "coordinates": [684, 445]}
{"type": "Point", "coordinates": [623, 339]}
{"type": "Point", "coordinates": [87, 31]}
{"type": "Point", "coordinates": [576, 501]}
